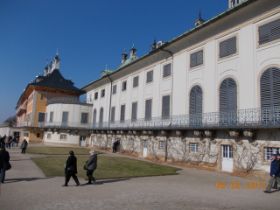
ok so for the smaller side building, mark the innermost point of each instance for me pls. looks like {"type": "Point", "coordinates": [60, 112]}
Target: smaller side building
{"type": "Point", "coordinates": [72, 117]}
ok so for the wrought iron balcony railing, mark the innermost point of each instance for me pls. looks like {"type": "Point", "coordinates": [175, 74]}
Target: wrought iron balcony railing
{"type": "Point", "coordinates": [245, 118]}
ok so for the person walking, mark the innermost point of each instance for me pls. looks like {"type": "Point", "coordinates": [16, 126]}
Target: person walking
{"type": "Point", "coordinates": [71, 169]}
{"type": "Point", "coordinates": [4, 163]}
{"type": "Point", "coordinates": [23, 146]}
{"type": "Point", "coordinates": [274, 174]}
{"type": "Point", "coordinates": [91, 165]}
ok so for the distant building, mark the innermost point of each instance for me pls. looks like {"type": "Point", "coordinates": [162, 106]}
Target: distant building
{"type": "Point", "coordinates": [31, 105]}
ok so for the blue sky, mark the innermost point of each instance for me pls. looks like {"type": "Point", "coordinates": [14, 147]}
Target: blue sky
{"type": "Point", "coordinates": [89, 35]}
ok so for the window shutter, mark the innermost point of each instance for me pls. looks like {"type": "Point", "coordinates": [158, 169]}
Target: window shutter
{"type": "Point", "coordinates": [101, 116]}
{"type": "Point", "coordinates": [270, 88]}
{"type": "Point", "coordinates": [149, 76]}
{"type": "Point", "coordinates": [228, 47]}
{"type": "Point", "coordinates": [94, 117]}
{"type": "Point", "coordinates": [196, 58]}
{"type": "Point", "coordinates": [135, 81]}
{"type": "Point", "coordinates": [228, 96]}
{"type": "Point", "coordinates": [122, 118]}
{"type": "Point", "coordinates": [134, 111]}
{"type": "Point", "coordinates": [64, 117]}
{"type": "Point", "coordinates": [165, 107]}
{"type": "Point", "coordinates": [269, 32]}
{"type": "Point", "coordinates": [113, 110]}
{"type": "Point", "coordinates": [166, 70]}
{"type": "Point", "coordinates": [148, 109]}
{"type": "Point", "coordinates": [196, 100]}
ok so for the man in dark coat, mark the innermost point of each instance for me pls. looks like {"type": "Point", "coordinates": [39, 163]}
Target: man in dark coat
{"type": "Point", "coordinates": [4, 161]}
{"type": "Point", "coordinates": [23, 146]}
{"type": "Point", "coordinates": [71, 169]}
{"type": "Point", "coordinates": [274, 173]}
{"type": "Point", "coordinates": [91, 165]}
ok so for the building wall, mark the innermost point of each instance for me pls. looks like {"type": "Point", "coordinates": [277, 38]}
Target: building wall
{"type": "Point", "coordinates": [245, 67]}
{"type": "Point", "coordinates": [61, 138]}
{"type": "Point", "coordinates": [248, 154]}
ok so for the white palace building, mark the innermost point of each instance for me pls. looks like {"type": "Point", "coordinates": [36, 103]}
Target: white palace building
{"type": "Point", "coordinates": [209, 97]}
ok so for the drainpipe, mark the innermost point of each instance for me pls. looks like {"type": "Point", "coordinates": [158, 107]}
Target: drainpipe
{"type": "Point", "coordinates": [172, 88]}
{"type": "Point", "coordinates": [111, 88]}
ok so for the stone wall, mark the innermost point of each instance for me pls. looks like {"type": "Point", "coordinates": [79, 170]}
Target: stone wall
{"type": "Point", "coordinates": [248, 152]}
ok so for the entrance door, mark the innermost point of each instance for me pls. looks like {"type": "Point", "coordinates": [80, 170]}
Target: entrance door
{"type": "Point", "coordinates": [145, 148]}
{"type": "Point", "coordinates": [227, 158]}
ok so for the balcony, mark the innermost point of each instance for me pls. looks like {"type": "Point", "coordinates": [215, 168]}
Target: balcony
{"type": "Point", "coordinates": [241, 119]}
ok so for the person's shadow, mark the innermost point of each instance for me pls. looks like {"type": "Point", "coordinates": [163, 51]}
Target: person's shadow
{"type": "Point", "coordinates": [23, 179]}
{"type": "Point", "coordinates": [100, 182]}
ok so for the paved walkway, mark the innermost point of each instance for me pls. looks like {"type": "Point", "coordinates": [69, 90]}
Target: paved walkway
{"type": "Point", "coordinates": [28, 189]}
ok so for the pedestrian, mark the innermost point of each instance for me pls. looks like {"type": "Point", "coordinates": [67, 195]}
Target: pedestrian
{"type": "Point", "coordinates": [2, 141]}
{"type": "Point", "coordinates": [90, 166]}
{"type": "Point", "coordinates": [116, 146]}
{"type": "Point", "coordinates": [4, 163]}
{"type": "Point", "coordinates": [274, 174]}
{"type": "Point", "coordinates": [23, 146]}
{"type": "Point", "coordinates": [71, 169]}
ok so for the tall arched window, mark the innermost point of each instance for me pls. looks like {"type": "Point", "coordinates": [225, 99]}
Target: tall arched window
{"type": "Point", "coordinates": [94, 117]}
{"type": "Point", "coordinates": [228, 102]}
{"type": "Point", "coordinates": [270, 88]}
{"type": "Point", "coordinates": [195, 109]}
{"type": "Point", "coordinates": [101, 116]}
{"type": "Point", "coordinates": [270, 95]}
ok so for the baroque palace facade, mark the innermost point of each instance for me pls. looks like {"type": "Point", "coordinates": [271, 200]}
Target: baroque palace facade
{"type": "Point", "coordinates": [210, 97]}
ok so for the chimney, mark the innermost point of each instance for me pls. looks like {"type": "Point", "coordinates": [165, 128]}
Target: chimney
{"type": "Point", "coordinates": [124, 57]}
{"type": "Point", "coordinates": [199, 21]}
{"type": "Point", "coordinates": [133, 52]}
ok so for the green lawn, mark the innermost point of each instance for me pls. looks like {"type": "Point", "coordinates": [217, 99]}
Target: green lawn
{"type": "Point", "coordinates": [57, 150]}
{"type": "Point", "coordinates": [108, 166]}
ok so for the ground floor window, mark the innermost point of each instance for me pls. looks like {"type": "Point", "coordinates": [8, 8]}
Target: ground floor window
{"type": "Point", "coordinates": [269, 151]}
{"type": "Point", "coordinates": [63, 137]}
{"type": "Point", "coordinates": [25, 134]}
{"type": "Point", "coordinates": [49, 136]}
{"type": "Point", "coordinates": [161, 144]}
{"type": "Point", "coordinates": [193, 147]}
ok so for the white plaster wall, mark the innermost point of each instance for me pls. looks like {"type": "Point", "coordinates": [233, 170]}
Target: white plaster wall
{"type": "Point", "coordinates": [245, 67]}
{"type": "Point", "coordinates": [74, 114]}
{"type": "Point", "coordinates": [55, 138]}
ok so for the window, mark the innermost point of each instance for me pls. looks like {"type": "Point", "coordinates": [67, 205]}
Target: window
{"type": "Point", "coordinates": [196, 59]}
{"type": "Point", "coordinates": [64, 117]}
{"type": "Point", "coordinates": [165, 107]}
{"type": "Point", "coordinates": [94, 116]}
{"type": "Point", "coordinates": [63, 137]}
{"type": "Point", "coordinates": [113, 111]}
{"type": "Point", "coordinates": [124, 86]}
{"type": "Point", "coordinates": [101, 116]}
{"type": "Point", "coordinates": [25, 134]}
{"type": "Point", "coordinates": [114, 89]}
{"type": "Point", "coordinates": [148, 109]}
{"type": "Point", "coordinates": [195, 107]}
{"type": "Point", "coordinates": [38, 135]}
{"type": "Point", "coordinates": [49, 136]}
{"type": "Point", "coordinates": [51, 117]}
{"type": "Point", "coordinates": [102, 93]}
{"type": "Point", "coordinates": [84, 118]}
{"type": "Point", "coordinates": [161, 145]}
{"type": "Point", "coordinates": [228, 47]}
{"type": "Point", "coordinates": [134, 112]}
{"type": "Point", "coordinates": [41, 117]}
{"type": "Point", "coordinates": [149, 76]}
{"type": "Point", "coordinates": [269, 151]}
{"type": "Point", "coordinates": [136, 81]}
{"type": "Point", "coordinates": [166, 70]}
{"type": "Point", "coordinates": [193, 147]}
{"type": "Point", "coordinates": [269, 32]}
{"type": "Point", "coordinates": [122, 117]}
{"type": "Point", "coordinates": [96, 96]}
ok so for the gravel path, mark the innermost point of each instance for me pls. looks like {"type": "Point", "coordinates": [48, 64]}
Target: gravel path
{"type": "Point", "coordinates": [28, 189]}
